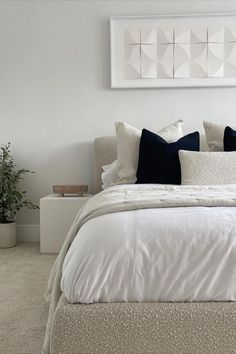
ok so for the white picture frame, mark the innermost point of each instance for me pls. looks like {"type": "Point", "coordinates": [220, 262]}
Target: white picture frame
{"type": "Point", "coordinates": [204, 52]}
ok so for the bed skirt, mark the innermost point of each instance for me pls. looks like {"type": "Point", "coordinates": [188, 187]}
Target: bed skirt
{"type": "Point", "coordinates": [144, 328]}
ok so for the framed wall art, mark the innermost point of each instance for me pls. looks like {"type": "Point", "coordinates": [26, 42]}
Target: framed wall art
{"type": "Point", "coordinates": [173, 51]}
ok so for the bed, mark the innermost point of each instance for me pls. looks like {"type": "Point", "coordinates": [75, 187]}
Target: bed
{"type": "Point", "coordinates": [147, 326]}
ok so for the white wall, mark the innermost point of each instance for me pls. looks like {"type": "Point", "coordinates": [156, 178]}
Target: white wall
{"type": "Point", "coordinates": [55, 95]}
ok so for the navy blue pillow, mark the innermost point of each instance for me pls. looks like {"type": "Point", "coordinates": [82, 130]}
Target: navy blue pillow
{"type": "Point", "coordinates": [159, 161]}
{"type": "Point", "coordinates": [229, 139]}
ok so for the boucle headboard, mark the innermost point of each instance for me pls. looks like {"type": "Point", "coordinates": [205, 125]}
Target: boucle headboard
{"type": "Point", "coordinates": [104, 153]}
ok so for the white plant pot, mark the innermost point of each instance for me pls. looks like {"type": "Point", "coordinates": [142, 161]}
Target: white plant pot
{"type": "Point", "coordinates": [8, 235]}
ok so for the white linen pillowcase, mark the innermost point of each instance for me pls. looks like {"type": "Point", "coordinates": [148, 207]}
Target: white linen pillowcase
{"type": "Point", "coordinates": [206, 168]}
{"type": "Point", "coordinates": [109, 175]}
{"type": "Point", "coordinates": [128, 139]}
{"type": "Point", "coordinates": [214, 133]}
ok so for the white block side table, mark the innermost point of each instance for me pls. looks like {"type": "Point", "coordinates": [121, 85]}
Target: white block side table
{"type": "Point", "coordinates": [56, 217]}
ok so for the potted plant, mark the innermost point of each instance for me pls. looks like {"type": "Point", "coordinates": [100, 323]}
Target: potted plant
{"type": "Point", "coordinates": [12, 198]}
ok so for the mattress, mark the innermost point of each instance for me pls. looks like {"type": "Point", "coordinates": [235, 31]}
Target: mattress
{"type": "Point", "coordinates": [151, 255]}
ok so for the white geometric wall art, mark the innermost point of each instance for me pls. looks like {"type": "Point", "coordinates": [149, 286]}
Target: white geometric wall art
{"type": "Point", "coordinates": [221, 34]}
{"type": "Point", "coordinates": [165, 61]}
{"type": "Point", "coordinates": [190, 34]}
{"type": "Point", "coordinates": [132, 36]}
{"type": "Point", "coordinates": [148, 52]}
{"type": "Point", "coordinates": [198, 34]}
{"type": "Point", "coordinates": [230, 59]}
{"type": "Point", "coordinates": [190, 60]}
{"type": "Point", "coordinates": [182, 58]}
{"type": "Point", "coordinates": [222, 59]}
{"type": "Point", "coordinates": [230, 34]}
{"type": "Point", "coordinates": [148, 61]}
{"type": "Point", "coordinates": [133, 70]}
{"type": "Point", "coordinates": [216, 59]}
{"type": "Point", "coordinates": [132, 53]}
{"type": "Point", "coordinates": [140, 53]}
{"type": "Point", "coordinates": [132, 67]}
{"type": "Point", "coordinates": [148, 36]}
{"type": "Point", "coordinates": [165, 35]}
{"type": "Point", "coordinates": [199, 60]}
{"type": "Point", "coordinates": [133, 61]}
{"type": "Point", "coordinates": [216, 34]}
{"type": "Point", "coordinates": [162, 51]}
{"type": "Point", "coordinates": [148, 70]}
{"type": "Point", "coordinates": [182, 35]}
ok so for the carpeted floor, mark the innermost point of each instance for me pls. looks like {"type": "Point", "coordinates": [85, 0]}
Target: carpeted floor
{"type": "Point", "coordinates": [23, 310]}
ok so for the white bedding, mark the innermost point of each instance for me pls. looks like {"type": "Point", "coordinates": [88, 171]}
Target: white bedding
{"type": "Point", "coordinates": [161, 254]}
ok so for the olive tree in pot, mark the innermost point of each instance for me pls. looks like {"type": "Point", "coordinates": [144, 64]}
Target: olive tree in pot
{"type": "Point", "coordinates": [12, 198]}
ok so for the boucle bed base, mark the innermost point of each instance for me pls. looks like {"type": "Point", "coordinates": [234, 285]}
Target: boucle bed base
{"type": "Point", "coordinates": [142, 328]}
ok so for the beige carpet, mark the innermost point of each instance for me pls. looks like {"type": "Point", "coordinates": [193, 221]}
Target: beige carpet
{"type": "Point", "coordinates": [23, 311]}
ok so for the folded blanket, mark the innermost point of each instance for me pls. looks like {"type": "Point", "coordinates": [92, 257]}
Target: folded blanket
{"type": "Point", "coordinates": [131, 197]}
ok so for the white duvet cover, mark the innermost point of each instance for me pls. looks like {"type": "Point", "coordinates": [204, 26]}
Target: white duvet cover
{"type": "Point", "coordinates": [161, 254]}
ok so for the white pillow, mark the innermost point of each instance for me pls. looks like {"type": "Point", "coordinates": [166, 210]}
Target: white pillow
{"type": "Point", "coordinates": [128, 139]}
{"type": "Point", "coordinates": [109, 175]}
{"type": "Point", "coordinates": [106, 167]}
{"type": "Point", "coordinates": [205, 168]}
{"type": "Point", "coordinates": [214, 135]}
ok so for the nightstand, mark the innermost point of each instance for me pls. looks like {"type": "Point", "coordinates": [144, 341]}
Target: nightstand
{"type": "Point", "coordinates": [56, 217]}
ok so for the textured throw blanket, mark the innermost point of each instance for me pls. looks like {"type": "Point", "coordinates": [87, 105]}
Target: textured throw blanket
{"type": "Point", "coordinates": [131, 197]}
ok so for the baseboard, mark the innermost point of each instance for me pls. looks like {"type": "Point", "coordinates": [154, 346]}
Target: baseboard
{"type": "Point", "coordinates": [28, 233]}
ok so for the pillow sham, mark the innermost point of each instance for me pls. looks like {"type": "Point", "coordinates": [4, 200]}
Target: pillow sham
{"type": "Point", "coordinates": [229, 139]}
{"type": "Point", "coordinates": [128, 139]}
{"type": "Point", "coordinates": [109, 175]}
{"type": "Point", "coordinates": [206, 168]}
{"type": "Point", "coordinates": [214, 135]}
{"type": "Point", "coordinates": [159, 160]}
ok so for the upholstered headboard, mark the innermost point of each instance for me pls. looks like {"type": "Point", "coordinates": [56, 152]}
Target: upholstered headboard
{"type": "Point", "coordinates": [104, 153]}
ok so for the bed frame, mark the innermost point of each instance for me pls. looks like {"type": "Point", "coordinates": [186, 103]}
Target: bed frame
{"type": "Point", "coordinates": [140, 328]}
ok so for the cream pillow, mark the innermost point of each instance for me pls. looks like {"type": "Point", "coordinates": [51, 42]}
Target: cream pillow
{"type": "Point", "coordinates": [128, 139]}
{"type": "Point", "coordinates": [205, 168]}
{"type": "Point", "coordinates": [214, 135]}
{"type": "Point", "coordinates": [109, 175]}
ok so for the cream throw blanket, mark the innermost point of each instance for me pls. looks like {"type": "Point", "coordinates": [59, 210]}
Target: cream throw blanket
{"type": "Point", "coordinates": [131, 197]}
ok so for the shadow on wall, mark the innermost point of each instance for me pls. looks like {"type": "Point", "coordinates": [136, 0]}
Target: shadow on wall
{"type": "Point", "coordinates": [103, 50]}
{"type": "Point", "coordinates": [68, 164]}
